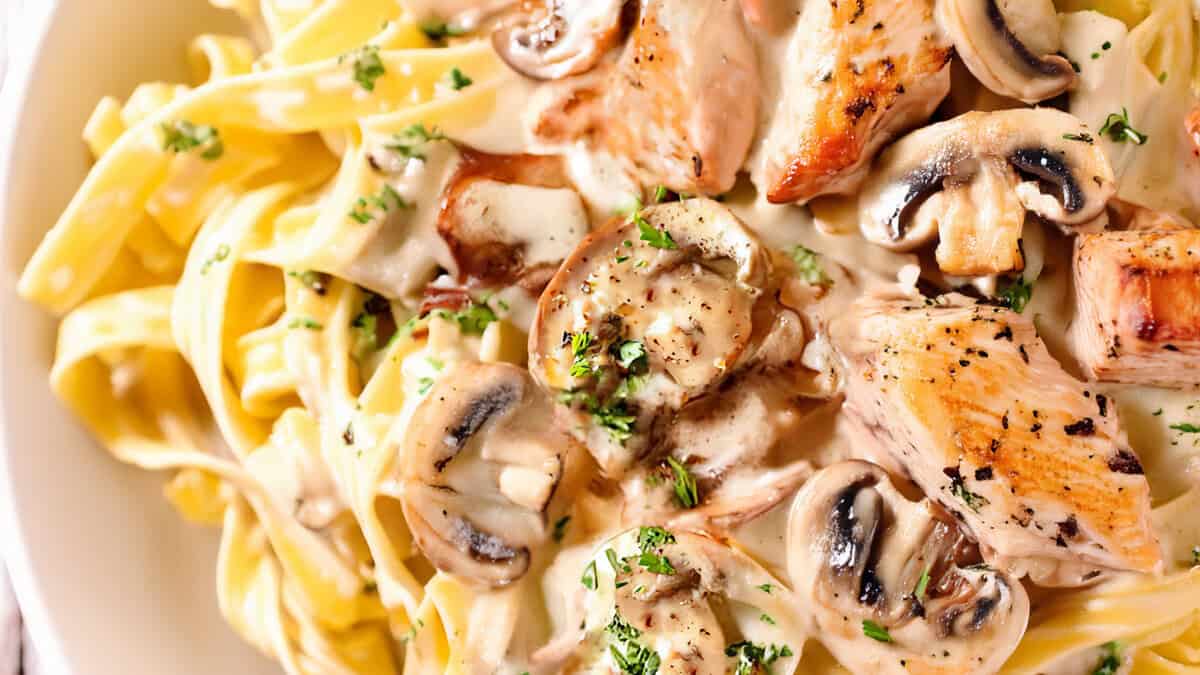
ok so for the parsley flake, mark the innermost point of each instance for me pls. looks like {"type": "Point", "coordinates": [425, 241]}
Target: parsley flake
{"type": "Point", "coordinates": [809, 268]}
{"type": "Point", "coordinates": [652, 235]}
{"type": "Point", "coordinates": [437, 30]}
{"type": "Point", "coordinates": [1110, 662]}
{"type": "Point", "coordinates": [1016, 296]}
{"type": "Point", "coordinates": [459, 81]}
{"type": "Point", "coordinates": [368, 67]}
{"type": "Point", "coordinates": [560, 528]}
{"type": "Point", "coordinates": [875, 631]}
{"type": "Point", "coordinates": [367, 209]}
{"type": "Point", "coordinates": [183, 136]}
{"type": "Point", "coordinates": [685, 484]}
{"type": "Point", "coordinates": [305, 323]}
{"type": "Point", "coordinates": [411, 142]}
{"type": "Point", "coordinates": [589, 576]}
{"type": "Point", "coordinates": [1119, 129]}
{"type": "Point", "coordinates": [1186, 428]}
{"type": "Point", "coordinates": [753, 659]}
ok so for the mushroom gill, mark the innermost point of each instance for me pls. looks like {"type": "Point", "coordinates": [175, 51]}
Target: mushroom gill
{"type": "Point", "coordinates": [889, 582]}
{"type": "Point", "coordinates": [480, 462]}
{"type": "Point", "coordinates": [1009, 45]}
{"type": "Point", "coordinates": [972, 179]}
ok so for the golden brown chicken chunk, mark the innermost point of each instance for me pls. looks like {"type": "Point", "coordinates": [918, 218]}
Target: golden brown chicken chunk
{"type": "Point", "coordinates": [857, 74]}
{"type": "Point", "coordinates": [966, 400]}
{"type": "Point", "coordinates": [1138, 296]}
{"type": "Point", "coordinates": [680, 103]}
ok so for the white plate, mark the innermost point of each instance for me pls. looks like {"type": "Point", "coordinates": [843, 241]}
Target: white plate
{"type": "Point", "coordinates": [111, 580]}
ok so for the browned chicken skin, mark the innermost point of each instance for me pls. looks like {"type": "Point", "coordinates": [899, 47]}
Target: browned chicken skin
{"type": "Point", "coordinates": [1138, 296]}
{"type": "Point", "coordinates": [882, 68]}
{"type": "Point", "coordinates": [965, 399]}
{"type": "Point", "coordinates": [680, 102]}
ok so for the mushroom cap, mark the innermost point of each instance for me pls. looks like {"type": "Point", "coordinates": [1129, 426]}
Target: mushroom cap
{"type": "Point", "coordinates": [691, 303]}
{"type": "Point", "coordinates": [479, 465]}
{"type": "Point", "coordinates": [1058, 171]}
{"type": "Point", "coordinates": [686, 596]}
{"type": "Point", "coordinates": [995, 39]}
{"type": "Point", "coordinates": [553, 39]}
{"type": "Point", "coordinates": [486, 222]}
{"type": "Point", "coordinates": [860, 551]}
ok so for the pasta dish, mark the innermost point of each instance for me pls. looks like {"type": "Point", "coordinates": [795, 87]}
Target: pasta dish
{"type": "Point", "coordinates": [662, 336]}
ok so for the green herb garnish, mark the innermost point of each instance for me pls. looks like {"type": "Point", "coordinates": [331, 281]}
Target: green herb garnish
{"type": "Point", "coordinates": [809, 268]}
{"type": "Point", "coordinates": [753, 659]}
{"type": "Point", "coordinates": [183, 136]}
{"type": "Point", "coordinates": [685, 484]}
{"type": "Point", "coordinates": [1016, 296]}
{"type": "Point", "coordinates": [560, 528]}
{"type": "Point", "coordinates": [875, 631]}
{"type": "Point", "coordinates": [652, 235]}
{"type": "Point", "coordinates": [589, 576]}
{"type": "Point", "coordinates": [438, 30]}
{"type": "Point", "coordinates": [368, 67]}
{"type": "Point", "coordinates": [305, 323]}
{"type": "Point", "coordinates": [1110, 662]}
{"type": "Point", "coordinates": [459, 81]}
{"type": "Point", "coordinates": [367, 209]}
{"type": "Point", "coordinates": [219, 255]}
{"type": "Point", "coordinates": [1119, 129]}
{"type": "Point", "coordinates": [631, 657]}
{"type": "Point", "coordinates": [412, 140]}
{"type": "Point", "coordinates": [1186, 428]}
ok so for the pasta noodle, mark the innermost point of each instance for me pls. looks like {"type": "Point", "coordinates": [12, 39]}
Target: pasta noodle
{"type": "Point", "coordinates": [251, 290]}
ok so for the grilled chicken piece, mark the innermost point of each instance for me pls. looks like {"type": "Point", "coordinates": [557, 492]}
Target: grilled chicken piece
{"type": "Point", "coordinates": [857, 74]}
{"type": "Point", "coordinates": [495, 237]}
{"type": "Point", "coordinates": [1138, 297]}
{"type": "Point", "coordinates": [681, 103]}
{"type": "Point", "coordinates": [966, 400]}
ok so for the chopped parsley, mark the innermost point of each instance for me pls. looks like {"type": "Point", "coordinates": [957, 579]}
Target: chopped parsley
{"type": "Point", "coordinates": [685, 484]}
{"type": "Point", "coordinates": [368, 67]}
{"type": "Point", "coordinates": [581, 366]}
{"type": "Point", "coordinates": [218, 255]}
{"type": "Point", "coordinates": [615, 419]}
{"type": "Point", "coordinates": [1186, 428]}
{"type": "Point", "coordinates": [766, 588]}
{"type": "Point", "coordinates": [305, 323]}
{"type": "Point", "coordinates": [437, 30]}
{"type": "Point", "coordinates": [560, 528]}
{"type": "Point", "coordinates": [471, 320]}
{"type": "Point", "coordinates": [753, 658]}
{"type": "Point", "coordinates": [1119, 129]}
{"type": "Point", "coordinates": [808, 267]}
{"type": "Point", "coordinates": [317, 282]}
{"type": "Point", "coordinates": [875, 631]}
{"type": "Point", "coordinates": [631, 355]}
{"type": "Point", "coordinates": [589, 576]}
{"type": "Point", "coordinates": [1110, 662]}
{"type": "Point", "coordinates": [1082, 137]}
{"type": "Point", "coordinates": [651, 540]}
{"type": "Point", "coordinates": [922, 585]}
{"type": "Point", "coordinates": [631, 657]}
{"type": "Point", "coordinates": [766, 618]}
{"type": "Point", "coordinates": [367, 209]}
{"type": "Point", "coordinates": [183, 136]}
{"type": "Point", "coordinates": [411, 142]}
{"type": "Point", "coordinates": [1016, 296]}
{"type": "Point", "coordinates": [618, 566]}
{"type": "Point", "coordinates": [1196, 556]}
{"type": "Point", "coordinates": [365, 325]}
{"type": "Point", "coordinates": [972, 500]}
{"type": "Point", "coordinates": [459, 81]}
{"type": "Point", "coordinates": [652, 235]}
{"type": "Point", "coordinates": [425, 384]}
{"type": "Point", "coordinates": [660, 194]}
{"type": "Point", "coordinates": [1162, 77]}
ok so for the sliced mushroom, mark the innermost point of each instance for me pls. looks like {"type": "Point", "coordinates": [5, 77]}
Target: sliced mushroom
{"type": "Point", "coordinates": [645, 315]}
{"type": "Point", "coordinates": [495, 238]}
{"type": "Point", "coordinates": [997, 165]}
{"type": "Point", "coordinates": [553, 39]}
{"type": "Point", "coordinates": [859, 552]}
{"type": "Point", "coordinates": [1009, 45]}
{"type": "Point", "coordinates": [680, 600]}
{"type": "Point", "coordinates": [739, 446]}
{"type": "Point", "coordinates": [479, 466]}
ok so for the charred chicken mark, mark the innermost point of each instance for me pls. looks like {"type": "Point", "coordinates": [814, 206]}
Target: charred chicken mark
{"type": "Point", "coordinates": [490, 418]}
{"type": "Point", "coordinates": [983, 36]}
{"type": "Point", "coordinates": [935, 182]}
{"type": "Point", "coordinates": [860, 553]}
{"type": "Point", "coordinates": [985, 417]}
{"type": "Point", "coordinates": [1138, 299]}
{"type": "Point", "coordinates": [553, 39]}
{"type": "Point", "coordinates": [878, 74]}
